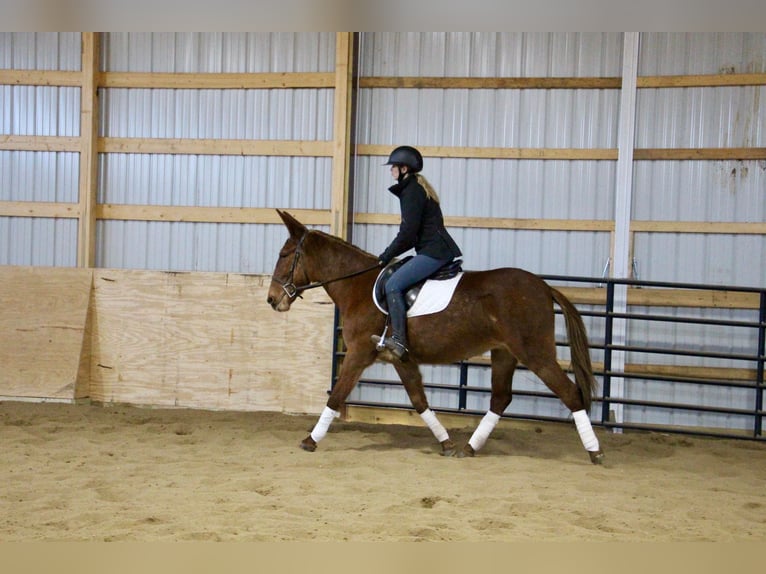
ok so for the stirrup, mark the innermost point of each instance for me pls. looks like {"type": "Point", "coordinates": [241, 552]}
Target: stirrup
{"type": "Point", "coordinates": [397, 348]}
{"type": "Point", "coordinates": [379, 340]}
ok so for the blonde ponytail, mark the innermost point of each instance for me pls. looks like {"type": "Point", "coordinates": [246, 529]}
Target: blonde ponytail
{"type": "Point", "coordinates": [430, 191]}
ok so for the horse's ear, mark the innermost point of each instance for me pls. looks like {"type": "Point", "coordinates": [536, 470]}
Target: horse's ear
{"type": "Point", "coordinates": [295, 227]}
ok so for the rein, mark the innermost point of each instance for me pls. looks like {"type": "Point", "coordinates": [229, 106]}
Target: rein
{"type": "Point", "coordinates": [293, 291]}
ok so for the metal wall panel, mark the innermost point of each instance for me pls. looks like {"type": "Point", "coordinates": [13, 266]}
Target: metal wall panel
{"type": "Point", "coordinates": [38, 241]}
{"type": "Point", "coordinates": [218, 114]}
{"type": "Point", "coordinates": [39, 176]}
{"type": "Point", "coordinates": [208, 52]}
{"type": "Point", "coordinates": [721, 190]}
{"type": "Point", "coordinates": [700, 191]}
{"type": "Point", "coordinates": [40, 51]}
{"type": "Point", "coordinates": [681, 53]}
{"type": "Point", "coordinates": [206, 180]}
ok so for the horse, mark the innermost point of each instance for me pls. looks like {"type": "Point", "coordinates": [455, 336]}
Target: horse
{"type": "Point", "coordinates": [506, 311]}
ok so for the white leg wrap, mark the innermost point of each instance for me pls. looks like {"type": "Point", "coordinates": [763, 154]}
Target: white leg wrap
{"type": "Point", "coordinates": [429, 417]}
{"type": "Point", "coordinates": [481, 434]}
{"type": "Point", "coordinates": [320, 429]}
{"type": "Point", "coordinates": [587, 436]}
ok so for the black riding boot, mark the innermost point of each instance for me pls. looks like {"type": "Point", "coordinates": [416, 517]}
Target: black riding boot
{"type": "Point", "coordinates": [397, 342]}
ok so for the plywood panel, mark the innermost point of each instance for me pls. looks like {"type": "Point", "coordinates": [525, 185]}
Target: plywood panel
{"type": "Point", "coordinates": [207, 340]}
{"type": "Point", "coordinates": [43, 316]}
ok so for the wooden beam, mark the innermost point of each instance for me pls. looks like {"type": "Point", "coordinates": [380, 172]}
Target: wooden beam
{"type": "Point", "coordinates": [39, 143]}
{"type": "Point", "coordinates": [657, 297]}
{"type": "Point", "coordinates": [339, 203]}
{"type": "Point", "coordinates": [40, 78]}
{"type": "Point", "coordinates": [741, 153]}
{"type": "Point", "coordinates": [499, 222]}
{"type": "Point", "coordinates": [565, 83]}
{"type": "Point", "coordinates": [702, 81]}
{"type": "Point", "coordinates": [39, 209]}
{"type": "Point", "coordinates": [713, 227]}
{"type": "Point", "coordinates": [472, 83]}
{"type": "Point", "coordinates": [206, 214]}
{"type": "Point", "coordinates": [217, 147]}
{"type": "Point", "coordinates": [88, 185]}
{"type": "Point", "coordinates": [498, 152]}
{"type": "Point", "coordinates": [214, 81]}
{"type": "Point", "coordinates": [648, 297]}
{"type": "Point", "coordinates": [597, 154]}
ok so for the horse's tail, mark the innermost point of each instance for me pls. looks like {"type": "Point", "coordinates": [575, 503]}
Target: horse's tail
{"type": "Point", "coordinates": [578, 343]}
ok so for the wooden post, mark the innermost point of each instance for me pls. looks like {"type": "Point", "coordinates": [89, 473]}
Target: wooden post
{"type": "Point", "coordinates": [86, 234]}
{"type": "Point", "coordinates": [344, 53]}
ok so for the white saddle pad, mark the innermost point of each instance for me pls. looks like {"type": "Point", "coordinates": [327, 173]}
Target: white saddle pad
{"type": "Point", "coordinates": [434, 296]}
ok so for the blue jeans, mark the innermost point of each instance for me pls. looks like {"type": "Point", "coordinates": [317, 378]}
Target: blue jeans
{"type": "Point", "coordinates": [416, 269]}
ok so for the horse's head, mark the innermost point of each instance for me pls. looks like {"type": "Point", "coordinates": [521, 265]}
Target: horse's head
{"type": "Point", "coordinates": [289, 272]}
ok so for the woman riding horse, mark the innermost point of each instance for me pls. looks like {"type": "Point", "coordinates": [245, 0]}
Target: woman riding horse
{"type": "Point", "coordinates": [421, 227]}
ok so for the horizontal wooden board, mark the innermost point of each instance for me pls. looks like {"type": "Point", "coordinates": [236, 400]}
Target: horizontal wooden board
{"type": "Point", "coordinates": [39, 209]}
{"type": "Point", "coordinates": [217, 81]}
{"type": "Point", "coordinates": [563, 83]}
{"type": "Point", "coordinates": [42, 330]}
{"type": "Point", "coordinates": [205, 214]}
{"type": "Point", "coordinates": [188, 146]}
{"type": "Point", "coordinates": [40, 143]}
{"type": "Point", "coordinates": [489, 83]}
{"type": "Point", "coordinates": [701, 80]}
{"type": "Point", "coordinates": [665, 297]}
{"type": "Point", "coordinates": [497, 152]}
{"type": "Point", "coordinates": [691, 154]}
{"type": "Point", "coordinates": [40, 78]}
{"type": "Point", "coordinates": [712, 227]}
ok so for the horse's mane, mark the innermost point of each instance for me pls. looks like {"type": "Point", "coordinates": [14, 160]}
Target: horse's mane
{"type": "Point", "coordinates": [342, 242]}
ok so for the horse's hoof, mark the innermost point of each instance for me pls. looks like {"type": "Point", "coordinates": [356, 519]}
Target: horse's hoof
{"type": "Point", "coordinates": [308, 444]}
{"type": "Point", "coordinates": [596, 456]}
{"type": "Point", "coordinates": [466, 452]}
{"type": "Point", "coordinates": [448, 448]}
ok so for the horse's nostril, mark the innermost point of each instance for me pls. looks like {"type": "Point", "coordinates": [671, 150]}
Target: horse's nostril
{"type": "Point", "coordinates": [270, 300]}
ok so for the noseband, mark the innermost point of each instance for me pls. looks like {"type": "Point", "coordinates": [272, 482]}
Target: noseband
{"type": "Point", "coordinates": [292, 290]}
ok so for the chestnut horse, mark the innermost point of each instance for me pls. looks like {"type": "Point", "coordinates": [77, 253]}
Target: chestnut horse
{"type": "Point", "coordinates": [508, 312]}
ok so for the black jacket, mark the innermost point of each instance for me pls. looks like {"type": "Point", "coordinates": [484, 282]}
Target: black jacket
{"type": "Point", "coordinates": [422, 225]}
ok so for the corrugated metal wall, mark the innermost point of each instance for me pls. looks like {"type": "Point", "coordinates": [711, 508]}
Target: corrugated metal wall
{"type": "Point", "coordinates": [700, 190]}
{"type": "Point", "coordinates": [39, 176]}
{"type": "Point", "coordinates": [720, 190]}
{"type": "Point", "coordinates": [210, 180]}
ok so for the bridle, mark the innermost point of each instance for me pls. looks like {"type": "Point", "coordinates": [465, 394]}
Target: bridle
{"type": "Point", "coordinates": [292, 290]}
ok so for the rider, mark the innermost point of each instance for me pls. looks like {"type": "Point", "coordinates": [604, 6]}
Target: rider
{"type": "Point", "coordinates": [421, 227]}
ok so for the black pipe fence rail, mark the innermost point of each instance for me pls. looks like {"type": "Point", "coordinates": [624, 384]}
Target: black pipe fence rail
{"type": "Point", "coordinates": [602, 340]}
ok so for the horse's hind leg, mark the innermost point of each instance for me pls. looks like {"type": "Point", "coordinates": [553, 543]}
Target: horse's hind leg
{"type": "Point", "coordinates": [412, 380]}
{"type": "Point", "coordinates": [503, 367]}
{"type": "Point", "coordinates": [556, 380]}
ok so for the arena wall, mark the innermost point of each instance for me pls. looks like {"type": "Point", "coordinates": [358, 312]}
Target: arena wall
{"type": "Point", "coordinates": [150, 338]}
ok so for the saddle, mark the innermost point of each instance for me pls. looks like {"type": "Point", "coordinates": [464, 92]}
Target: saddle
{"type": "Point", "coordinates": [447, 271]}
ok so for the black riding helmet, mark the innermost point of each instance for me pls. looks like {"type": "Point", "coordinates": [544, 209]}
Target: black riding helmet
{"type": "Point", "coordinates": [406, 155]}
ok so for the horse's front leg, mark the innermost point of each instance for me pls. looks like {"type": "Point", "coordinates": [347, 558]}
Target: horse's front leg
{"type": "Point", "coordinates": [353, 364]}
{"type": "Point", "coordinates": [412, 380]}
